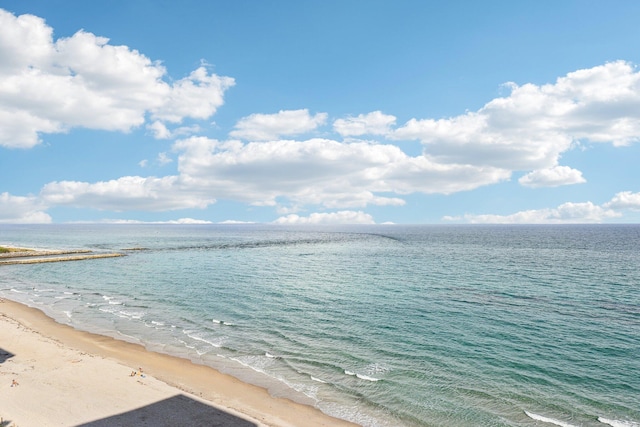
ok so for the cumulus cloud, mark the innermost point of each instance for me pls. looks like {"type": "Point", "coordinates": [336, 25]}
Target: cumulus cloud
{"type": "Point", "coordinates": [552, 177]}
{"type": "Point", "coordinates": [285, 174]}
{"type": "Point", "coordinates": [567, 213]}
{"type": "Point", "coordinates": [530, 128]}
{"type": "Point", "coordinates": [22, 210]}
{"type": "Point", "coordinates": [341, 217]}
{"type": "Point", "coordinates": [49, 86]}
{"type": "Point", "coordinates": [624, 200]}
{"type": "Point", "coordinates": [320, 172]}
{"type": "Point", "coordinates": [159, 130]}
{"type": "Point", "coordinates": [197, 96]}
{"type": "Point", "coordinates": [164, 159]}
{"type": "Point", "coordinates": [374, 123]}
{"type": "Point", "coordinates": [126, 194]}
{"type": "Point", "coordinates": [264, 127]}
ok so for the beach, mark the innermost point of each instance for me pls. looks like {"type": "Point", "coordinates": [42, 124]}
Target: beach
{"type": "Point", "coordinates": [54, 375]}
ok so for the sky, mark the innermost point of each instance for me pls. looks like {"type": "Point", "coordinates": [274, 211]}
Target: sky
{"type": "Point", "coordinates": [319, 112]}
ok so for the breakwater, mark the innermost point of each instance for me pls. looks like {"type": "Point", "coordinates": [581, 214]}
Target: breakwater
{"type": "Point", "coordinates": [31, 256]}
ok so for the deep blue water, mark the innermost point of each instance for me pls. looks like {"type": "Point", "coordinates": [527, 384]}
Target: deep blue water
{"type": "Point", "coordinates": [382, 325]}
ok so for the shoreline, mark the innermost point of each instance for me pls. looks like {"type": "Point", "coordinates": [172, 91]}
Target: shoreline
{"type": "Point", "coordinates": [71, 377]}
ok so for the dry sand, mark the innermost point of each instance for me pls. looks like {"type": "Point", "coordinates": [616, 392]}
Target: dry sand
{"type": "Point", "coordinates": [67, 377]}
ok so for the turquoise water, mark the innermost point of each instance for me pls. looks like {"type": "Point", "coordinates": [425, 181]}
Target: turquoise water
{"type": "Point", "coordinates": [381, 325]}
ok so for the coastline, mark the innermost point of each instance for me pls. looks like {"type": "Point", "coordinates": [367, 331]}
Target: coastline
{"type": "Point", "coordinates": [71, 377]}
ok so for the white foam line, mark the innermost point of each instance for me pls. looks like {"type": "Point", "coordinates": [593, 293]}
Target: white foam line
{"type": "Point", "coordinates": [362, 377]}
{"type": "Point", "coordinates": [367, 378]}
{"type": "Point", "coordinates": [548, 420]}
{"type": "Point", "coordinates": [618, 423]}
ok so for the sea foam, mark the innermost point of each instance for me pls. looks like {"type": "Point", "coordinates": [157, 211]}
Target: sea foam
{"type": "Point", "coordinates": [548, 420]}
{"type": "Point", "coordinates": [618, 423]}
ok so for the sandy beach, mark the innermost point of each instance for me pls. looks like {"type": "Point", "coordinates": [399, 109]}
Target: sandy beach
{"type": "Point", "coordinates": [54, 375]}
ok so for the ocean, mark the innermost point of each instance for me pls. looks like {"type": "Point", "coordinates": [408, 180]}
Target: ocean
{"type": "Point", "coordinates": [383, 325]}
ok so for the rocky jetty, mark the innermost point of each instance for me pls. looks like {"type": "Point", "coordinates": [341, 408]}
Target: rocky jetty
{"type": "Point", "coordinates": [9, 256]}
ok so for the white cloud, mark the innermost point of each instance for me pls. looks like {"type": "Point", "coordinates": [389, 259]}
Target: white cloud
{"type": "Point", "coordinates": [163, 159]}
{"type": "Point", "coordinates": [552, 177]}
{"type": "Point", "coordinates": [23, 210]}
{"type": "Point", "coordinates": [567, 213]}
{"type": "Point", "coordinates": [188, 221]}
{"type": "Point", "coordinates": [49, 86]}
{"type": "Point", "coordinates": [530, 128]}
{"type": "Point", "coordinates": [341, 217]}
{"type": "Point", "coordinates": [125, 194]}
{"type": "Point", "coordinates": [624, 200]}
{"type": "Point", "coordinates": [374, 123]}
{"type": "Point", "coordinates": [233, 221]}
{"type": "Point", "coordinates": [264, 127]}
{"type": "Point", "coordinates": [160, 130]}
{"type": "Point", "coordinates": [321, 172]}
{"type": "Point", "coordinates": [197, 96]}
{"type": "Point", "coordinates": [318, 172]}
{"type": "Point", "coordinates": [175, 221]}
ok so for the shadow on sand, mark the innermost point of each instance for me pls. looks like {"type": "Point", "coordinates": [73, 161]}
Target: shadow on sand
{"type": "Point", "coordinates": [5, 355]}
{"type": "Point", "coordinates": [175, 411]}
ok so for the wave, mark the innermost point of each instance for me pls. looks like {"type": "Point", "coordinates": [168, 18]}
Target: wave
{"type": "Point", "coordinates": [107, 309]}
{"type": "Point", "coordinates": [132, 314]}
{"type": "Point", "coordinates": [548, 420]}
{"type": "Point", "coordinates": [361, 376]}
{"type": "Point", "coordinates": [111, 301]}
{"type": "Point", "coordinates": [191, 335]}
{"type": "Point", "coordinates": [367, 378]}
{"type": "Point", "coordinates": [186, 344]}
{"type": "Point", "coordinates": [222, 322]}
{"type": "Point", "coordinates": [249, 362]}
{"type": "Point", "coordinates": [129, 338]}
{"type": "Point", "coordinates": [618, 423]}
{"type": "Point", "coordinates": [317, 379]}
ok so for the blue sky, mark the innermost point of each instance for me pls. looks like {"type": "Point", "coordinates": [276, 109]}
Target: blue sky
{"type": "Point", "coordinates": [319, 112]}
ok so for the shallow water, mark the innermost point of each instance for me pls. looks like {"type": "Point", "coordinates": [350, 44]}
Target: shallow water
{"type": "Point", "coordinates": [381, 325]}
